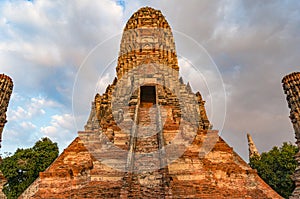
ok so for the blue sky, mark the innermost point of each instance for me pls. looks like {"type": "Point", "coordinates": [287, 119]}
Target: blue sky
{"type": "Point", "coordinates": [44, 43]}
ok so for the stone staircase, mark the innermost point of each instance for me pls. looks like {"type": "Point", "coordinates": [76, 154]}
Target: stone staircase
{"type": "Point", "coordinates": [146, 180]}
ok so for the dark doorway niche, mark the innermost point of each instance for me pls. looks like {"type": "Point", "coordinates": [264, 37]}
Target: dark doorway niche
{"type": "Point", "coordinates": [148, 94]}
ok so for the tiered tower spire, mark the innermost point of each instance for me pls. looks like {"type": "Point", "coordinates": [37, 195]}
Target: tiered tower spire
{"type": "Point", "coordinates": [147, 35]}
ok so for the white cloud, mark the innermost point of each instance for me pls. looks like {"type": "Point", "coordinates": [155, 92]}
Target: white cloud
{"type": "Point", "coordinates": [59, 125]}
{"type": "Point", "coordinates": [27, 126]}
{"type": "Point", "coordinates": [65, 121]}
{"type": "Point", "coordinates": [31, 108]}
{"type": "Point", "coordinates": [61, 129]}
{"type": "Point", "coordinates": [104, 82]}
{"type": "Point", "coordinates": [17, 114]}
{"type": "Point", "coordinates": [50, 33]}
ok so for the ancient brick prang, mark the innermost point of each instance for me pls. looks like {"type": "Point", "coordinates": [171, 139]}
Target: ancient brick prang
{"type": "Point", "coordinates": [6, 87]}
{"type": "Point", "coordinates": [148, 135]}
{"type": "Point", "coordinates": [252, 148]}
{"type": "Point", "coordinates": [291, 87]}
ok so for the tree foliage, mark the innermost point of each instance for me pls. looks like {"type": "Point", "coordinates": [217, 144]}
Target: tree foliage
{"type": "Point", "coordinates": [22, 168]}
{"type": "Point", "coordinates": [276, 168]}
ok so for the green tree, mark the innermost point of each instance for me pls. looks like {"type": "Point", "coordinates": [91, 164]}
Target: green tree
{"type": "Point", "coordinates": [22, 168]}
{"type": "Point", "coordinates": [276, 168]}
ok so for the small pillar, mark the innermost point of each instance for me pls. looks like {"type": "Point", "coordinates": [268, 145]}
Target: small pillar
{"type": "Point", "coordinates": [252, 148]}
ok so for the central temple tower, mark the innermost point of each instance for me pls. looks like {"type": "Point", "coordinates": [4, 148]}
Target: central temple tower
{"type": "Point", "coordinates": [147, 37]}
{"type": "Point", "coordinates": [146, 133]}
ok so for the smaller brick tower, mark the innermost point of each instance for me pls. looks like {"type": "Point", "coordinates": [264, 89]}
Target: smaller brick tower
{"type": "Point", "coordinates": [6, 87]}
{"type": "Point", "coordinates": [252, 148]}
{"type": "Point", "coordinates": [291, 87]}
